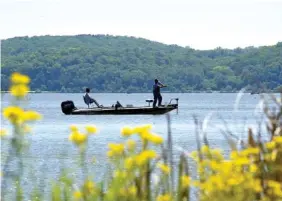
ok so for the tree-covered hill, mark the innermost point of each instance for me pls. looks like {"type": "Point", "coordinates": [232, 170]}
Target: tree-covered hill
{"type": "Point", "coordinates": [127, 64]}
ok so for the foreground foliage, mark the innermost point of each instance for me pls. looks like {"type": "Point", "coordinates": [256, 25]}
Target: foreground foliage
{"type": "Point", "coordinates": [126, 64]}
{"type": "Point", "coordinates": [142, 166]}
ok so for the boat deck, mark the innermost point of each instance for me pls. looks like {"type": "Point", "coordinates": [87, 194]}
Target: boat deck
{"type": "Point", "coordinates": [124, 110]}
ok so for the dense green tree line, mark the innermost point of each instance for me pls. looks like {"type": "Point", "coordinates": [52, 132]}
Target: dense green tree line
{"type": "Point", "coordinates": [127, 64]}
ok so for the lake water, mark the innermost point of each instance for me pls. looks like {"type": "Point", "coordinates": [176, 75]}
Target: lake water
{"type": "Point", "coordinates": [50, 148]}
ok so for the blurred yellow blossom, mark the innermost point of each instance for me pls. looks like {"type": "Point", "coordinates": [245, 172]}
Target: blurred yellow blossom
{"type": "Point", "coordinates": [78, 138]}
{"type": "Point", "coordinates": [13, 113]}
{"type": "Point", "coordinates": [234, 155]}
{"type": "Point", "coordinates": [205, 149]}
{"type": "Point", "coordinates": [115, 149]}
{"type": "Point", "coordinates": [129, 162]}
{"type": "Point", "coordinates": [31, 116]}
{"type": "Point", "coordinates": [89, 186]}
{"type": "Point", "coordinates": [274, 155]}
{"type": "Point", "coordinates": [18, 78]}
{"type": "Point", "coordinates": [126, 131]}
{"type": "Point", "coordinates": [120, 174]}
{"type": "Point", "coordinates": [194, 155]}
{"type": "Point", "coordinates": [142, 129]}
{"type": "Point", "coordinates": [132, 190]}
{"type": "Point", "coordinates": [73, 128]}
{"type": "Point", "coordinates": [250, 151]}
{"type": "Point", "coordinates": [277, 139]}
{"type": "Point", "coordinates": [156, 139]}
{"type": "Point", "coordinates": [185, 181]}
{"type": "Point", "coordinates": [3, 132]}
{"type": "Point", "coordinates": [144, 156]}
{"type": "Point", "coordinates": [17, 115]}
{"type": "Point", "coordinates": [77, 195]}
{"type": "Point", "coordinates": [19, 90]}
{"type": "Point", "coordinates": [91, 129]}
{"type": "Point", "coordinates": [270, 145]}
{"type": "Point", "coordinates": [165, 197]}
{"type": "Point", "coordinates": [217, 154]}
{"type": "Point", "coordinates": [253, 168]}
{"type": "Point", "coordinates": [164, 168]}
{"type": "Point", "coordinates": [123, 192]}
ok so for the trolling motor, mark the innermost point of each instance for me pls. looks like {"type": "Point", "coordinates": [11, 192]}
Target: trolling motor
{"type": "Point", "coordinates": [174, 105]}
{"type": "Point", "coordinates": [176, 99]}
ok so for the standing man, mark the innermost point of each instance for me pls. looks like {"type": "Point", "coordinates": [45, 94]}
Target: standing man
{"type": "Point", "coordinates": [157, 93]}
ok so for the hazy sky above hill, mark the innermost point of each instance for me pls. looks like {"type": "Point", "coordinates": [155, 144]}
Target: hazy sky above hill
{"type": "Point", "coordinates": [200, 24]}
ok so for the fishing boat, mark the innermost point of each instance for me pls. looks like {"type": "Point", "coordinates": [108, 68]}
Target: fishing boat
{"type": "Point", "coordinates": [69, 108]}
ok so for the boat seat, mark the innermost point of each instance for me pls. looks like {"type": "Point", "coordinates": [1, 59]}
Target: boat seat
{"type": "Point", "coordinates": [87, 102]}
{"type": "Point", "coordinates": [149, 101]}
{"type": "Point", "coordinates": [117, 105]}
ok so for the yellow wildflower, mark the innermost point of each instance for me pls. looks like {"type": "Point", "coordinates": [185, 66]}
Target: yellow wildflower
{"type": "Point", "coordinates": [132, 190]}
{"type": "Point", "coordinates": [18, 78]}
{"type": "Point", "coordinates": [242, 161]}
{"type": "Point", "coordinates": [216, 153]}
{"type": "Point", "coordinates": [253, 168]}
{"type": "Point", "coordinates": [128, 163]}
{"type": "Point", "coordinates": [274, 184]}
{"type": "Point", "coordinates": [130, 144]}
{"type": "Point", "coordinates": [3, 132]}
{"type": "Point", "coordinates": [214, 165]}
{"type": "Point", "coordinates": [144, 156]}
{"type": "Point", "coordinates": [205, 149]}
{"type": "Point", "coordinates": [78, 138]}
{"type": "Point", "coordinates": [278, 139]}
{"type": "Point", "coordinates": [91, 129]}
{"type": "Point", "coordinates": [233, 181]}
{"type": "Point", "coordinates": [275, 187]}
{"type": "Point", "coordinates": [216, 180]}
{"type": "Point", "coordinates": [234, 155]}
{"type": "Point", "coordinates": [156, 139]}
{"type": "Point", "coordinates": [268, 156]}
{"type": "Point", "coordinates": [126, 131]}
{"type": "Point", "coordinates": [194, 155]}
{"type": "Point", "coordinates": [150, 154]}
{"type": "Point", "coordinates": [270, 145]}
{"type": "Point", "coordinates": [165, 169]}
{"type": "Point", "coordinates": [31, 116]}
{"type": "Point", "coordinates": [73, 128]}
{"type": "Point", "coordinates": [250, 151]}
{"type": "Point", "coordinates": [142, 129]}
{"type": "Point", "coordinates": [165, 197]}
{"type": "Point", "coordinates": [185, 181]}
{"type": "Point", "coordinates": [89, 186]}
{"type": "Point", "coordinates": [122, 192]}
{"type": "Point", "coordinates": [13, 113]}
{"type": "Point", "coordinates": [257, 186]}
{"type": "Point", "coordinates": [19, 90]}
{"type": "Point", "coordinates": [120, 174]}
{"type": "Point", "coordinates": [274, 155]}
{"type": "Point", "coordinates": [115, 149]}
{"type": "Point", "coordinates": [77, 194]}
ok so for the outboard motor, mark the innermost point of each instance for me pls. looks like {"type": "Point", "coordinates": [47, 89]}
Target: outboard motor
{"type": "Point", "coordinates": [67, 107]}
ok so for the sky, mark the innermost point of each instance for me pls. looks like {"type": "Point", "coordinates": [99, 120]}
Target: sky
{"type": "Point", "coordinates": [199, 24]}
